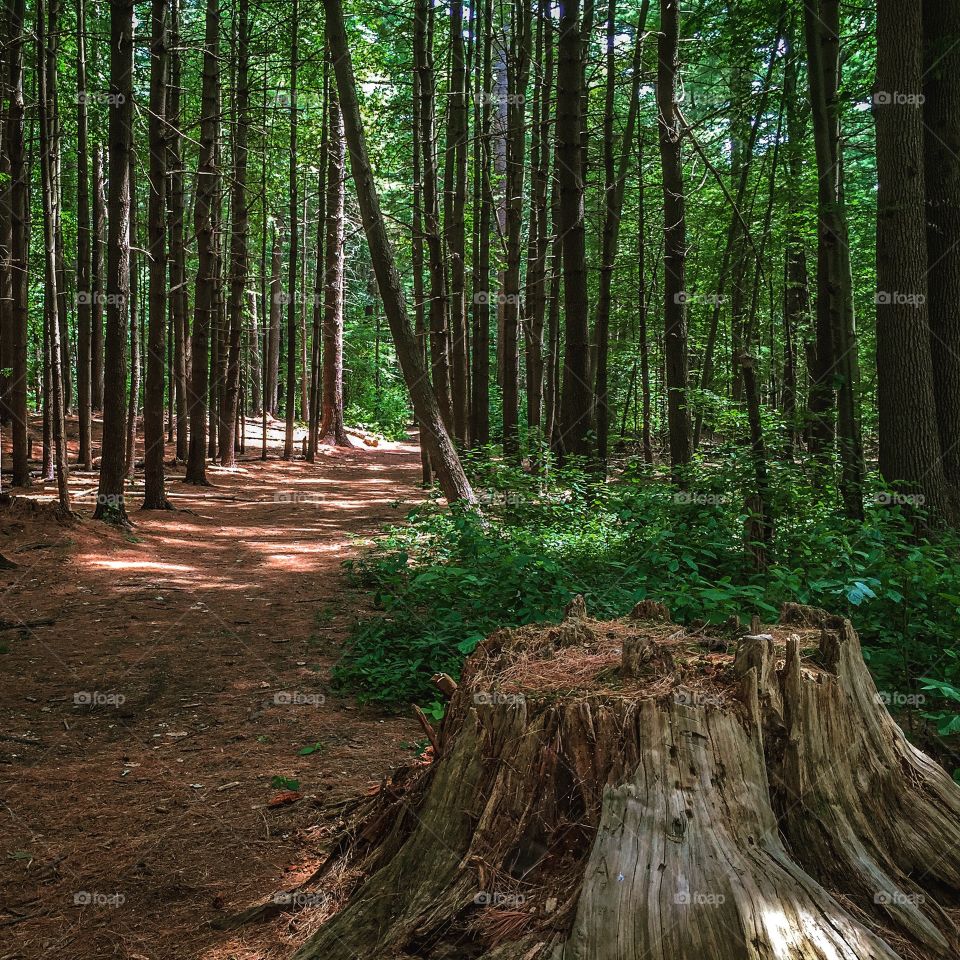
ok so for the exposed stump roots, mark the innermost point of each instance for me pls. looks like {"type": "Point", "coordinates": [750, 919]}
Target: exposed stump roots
{"type": "Point", "coordinates": [627, 790]}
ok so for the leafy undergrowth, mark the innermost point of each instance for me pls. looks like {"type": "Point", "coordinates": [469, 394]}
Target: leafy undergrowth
{"type": "Point", "coordinates": [446, 579]}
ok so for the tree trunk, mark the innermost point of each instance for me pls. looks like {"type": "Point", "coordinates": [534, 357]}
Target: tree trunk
{"type": "Point", "coordinates": [518, 70]}
{"type": "Point", "coordinates": [453, 224]}
{"type": "Point", "coordinates": [291, 385]}
{"type": "Point", "coordinates": [19, 234]}
{"type": "Point", "coordinates": [155, 497]}
{"type": "Point", "coordinates": [615, 177]}
{"type": "Point", "coordinates": [273, 345]}
{"type": "Point", "coordinates": [97, 284]}
{"type": "Point", "coordinates": [110, 502]}
{"type": "Point", "coordinates": [480, 379]}
{"type": "Point", "coordinates": [179, 299]}
{"type": "Point", "coordinates": [675, 241]}
{"type": "Point", "coordinates": [49, 164]}
{"type": "Point", "coordinates": [331, 422]}
{"type": "Point", "coordinates": [205, 196]}
{"type": "Point", "coordinates": [84, 287]}
{"type": "Point", "coordinates": [690, 808]}
{"type": "Point", "coordinates": [316, 384]}
{"type": "Point", "coordinates": [443, 455]}
{"type": "Point", "coordinates": [576, 390]}
{"type": "Point", "coordinates": [133, 400]}
{"type": "Point", "coordinates": [941, 107]}
{"type": "Point", "coordinates": [910, 452]}
{"type": "Point", "coordinates": [239, 256]}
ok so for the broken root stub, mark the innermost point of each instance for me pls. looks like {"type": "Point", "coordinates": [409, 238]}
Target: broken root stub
{"type": "Point", "coordinates": [699, 806]}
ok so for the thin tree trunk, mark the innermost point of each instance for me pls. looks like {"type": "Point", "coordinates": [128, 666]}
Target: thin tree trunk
{"type": "Point", "coordinates": [205, 196]}
{"type": "Point", "coordinates": [49, 144]}
{"type": "Point", "coordinates": [239, 255]}
{"type": "Point", "coordinates": [480, 379]}
{"type": "Point", "coordinates": [97, 285]}
{"type": "Point", "coordinates": [179, 300]}
{"type": "Point", "coordinates": [271, 399]}
{"type": "Point", "coordinates": [675, 241]}
{"type": "Point", "coordinates": [155, 497]}
{"type": "Point", "coordinates": [331, 422]}
{"type": "Point", "coordinates": [615, 177]}
{"type": "Point", "coordinates": [133, 401]}
{"type": "Point", "coordinates": [291, 385]}
{"type": "Point", "coordinates": [110, 502]}
{"type": "Point", "coordinates": [84, 291]}
{"type": "Point", "coordinates": [316, 358]}
{"type": "Point", "coordinates": [439, 336]}
{"type": "Point", "coordinates": [450, 473]}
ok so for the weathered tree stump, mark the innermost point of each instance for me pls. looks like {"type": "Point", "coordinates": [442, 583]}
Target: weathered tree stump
{"type": "Point", "coordinates": [701, 805]}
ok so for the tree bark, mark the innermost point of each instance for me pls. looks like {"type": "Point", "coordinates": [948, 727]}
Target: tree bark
{"type": "Point", "coordinates": [49, 164]}
{"type": "Point", "coordinates": [576, 389]}
{"type": "Point", "coordinates": [673, 814]}
{"type": "Point", "coordinates": [291, 385]}
{"type": "Point", "coordinates": [331, 422]}
{"type": "Point", "coordinates": [84, 286]}
{"type": "Point", "coordinates": [273, 337]}
{"type": "Point", "coordinates": [941, 107]}
{"type": "Point", "coordinates": [910, 451]}
{"type": "Point", "coordinates": [239, 255]}
{"type": "Point", "coordinates": [97, 284]}
{"type": "Point", "coordinates": [155, 496]}
{"type": "Point", "coordinates": [133, 400]}
{"type": "Point", "coordinates": [110, 501]}
{"type": "Point", "coordinates": [443, 455]}
{"type": "Point", "coordinates": [675, 241]}
{"type": "Point", "coordinates": [205, 196]}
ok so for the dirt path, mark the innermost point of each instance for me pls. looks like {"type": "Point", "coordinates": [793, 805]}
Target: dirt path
{"type": "Point", "coordinates": [186, 665]}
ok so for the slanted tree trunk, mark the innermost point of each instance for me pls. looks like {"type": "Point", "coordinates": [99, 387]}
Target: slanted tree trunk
{"type": "Point", "coordinates": [110, 503]}
{"type": "Point", "coordinates": [205, 303]}
{"type": "Point", "coordinates": [84, 291]}
{"type": "Point", "coordinates": [611, 791]}
{"type": "Point", "coordinates": [239, 255]}
{"type": "Point", "coordinates": [675, 241]}
{"type": "Point", "coordinates": [155, 496]}
{"type": "Point", "coordinates": [450, 474]}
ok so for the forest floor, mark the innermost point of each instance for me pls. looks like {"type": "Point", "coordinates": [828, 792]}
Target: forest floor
{"type": "Point", "coordinates": [154, 684]}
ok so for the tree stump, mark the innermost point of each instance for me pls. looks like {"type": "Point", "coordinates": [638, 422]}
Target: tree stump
{"type": "Point", "coordinates": [700, 805]}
